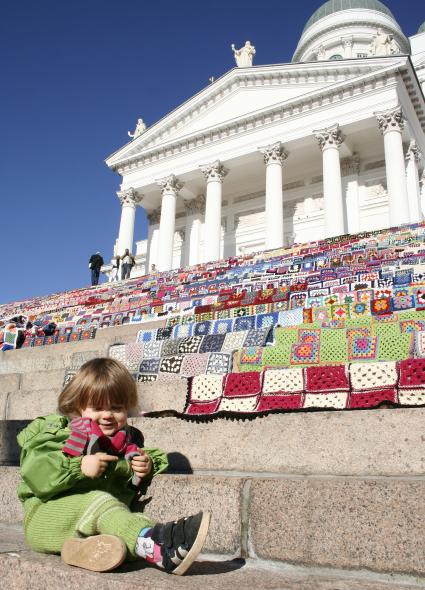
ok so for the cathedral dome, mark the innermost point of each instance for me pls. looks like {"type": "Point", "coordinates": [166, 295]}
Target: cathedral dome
{"type": "Point", "coordinates": [333, 6]}
{"type": "Point", "coordinates": [346, 29]}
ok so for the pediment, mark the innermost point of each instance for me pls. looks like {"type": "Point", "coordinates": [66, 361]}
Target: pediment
{"type": "Point", "coordinates": [244, 92]}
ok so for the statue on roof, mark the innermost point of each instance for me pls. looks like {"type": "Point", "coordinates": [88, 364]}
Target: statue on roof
{"type": "Point", "coordinates": [383, 44]}
{"type": "Point", "coordinates": [140, 128]}
{"type": "Point", "coordinates": [244, 55]}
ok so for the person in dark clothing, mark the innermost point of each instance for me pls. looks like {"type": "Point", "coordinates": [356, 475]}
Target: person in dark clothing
{"type": "Point", "coordinates": [95, 264]}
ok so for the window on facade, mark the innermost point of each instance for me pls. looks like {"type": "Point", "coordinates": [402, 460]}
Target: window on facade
{"type": "Point", "coordinates": [336, 56]}
{"type": "Point", "coordinates": [362, 55]}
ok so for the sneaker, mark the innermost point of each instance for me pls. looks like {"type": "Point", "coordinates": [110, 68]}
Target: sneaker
{"type": "Point", "coordinates": [100, 553]}
{"type": "Point", "coordinates": [181, 541]}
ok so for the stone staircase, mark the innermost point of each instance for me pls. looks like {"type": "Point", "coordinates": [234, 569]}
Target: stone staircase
{"type": "Point", "coordinates": [317, 500]}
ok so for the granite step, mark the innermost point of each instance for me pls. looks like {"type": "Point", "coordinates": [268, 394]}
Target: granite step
{"type": "Point", "coordinates": [21, 569]}
{"type": "Point", "coordinates": [375, 524]}
{"type": "Point", "coordinates": [382, 442]}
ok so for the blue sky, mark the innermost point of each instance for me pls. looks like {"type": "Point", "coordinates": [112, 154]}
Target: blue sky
{"type": "Point", "coordinates": [76, 75]}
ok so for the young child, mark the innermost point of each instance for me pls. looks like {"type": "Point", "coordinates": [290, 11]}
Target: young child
{"type": "Point", "coordinates": [81, 471]}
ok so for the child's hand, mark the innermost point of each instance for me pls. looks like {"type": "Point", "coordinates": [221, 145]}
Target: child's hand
{"type": "Point", "coordinates": [141, 464]}
{"type": "Point", "coordinates": [95, 465]}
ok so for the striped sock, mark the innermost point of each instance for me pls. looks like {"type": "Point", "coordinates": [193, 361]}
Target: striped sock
{"type": "Point", "coordinates": [147, 548]}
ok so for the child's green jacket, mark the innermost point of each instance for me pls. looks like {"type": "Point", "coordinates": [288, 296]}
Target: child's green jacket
{"type": "Point", "coordinates": [47, 472]}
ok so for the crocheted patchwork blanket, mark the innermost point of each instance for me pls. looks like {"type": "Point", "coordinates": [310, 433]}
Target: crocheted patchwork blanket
{"type": "Point", "coordinates": [340, 387]}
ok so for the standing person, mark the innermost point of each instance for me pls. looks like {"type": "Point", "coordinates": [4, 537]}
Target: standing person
{"type": "Point", "coordinates": [115, 269]}
{"type": "Point", "coordinates": [95, 264]}
{"type": "Point", "coordinates": [127, 263]}
{"type": "Point", "coordinates": [82, 470]}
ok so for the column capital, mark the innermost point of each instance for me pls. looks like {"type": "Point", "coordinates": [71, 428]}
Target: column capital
{"type": "Point", "coordinates": [129, 197]}
{"type": "Point", "coordinates": [329, 137]}
{"type": "Point", "coordinates": [170, 184]}
{"type": "Point", "coordinates": [154, 216]}
{"type": "Point", "coordinates": [195, 205]}
{"type": "Point", "coordinates": [413, 152]}
{"type": "Point", "coordinates": [350, 166]}
{"type": "Point", "coordinates": [274, 153]}
{"type": "Point", "coordinates": [390, 120]}
{"type": "Point", "coordinates": [215, 171]}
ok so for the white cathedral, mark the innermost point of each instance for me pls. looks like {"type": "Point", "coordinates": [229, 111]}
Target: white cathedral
{"type": "Point", "coordinates": [269, 155]}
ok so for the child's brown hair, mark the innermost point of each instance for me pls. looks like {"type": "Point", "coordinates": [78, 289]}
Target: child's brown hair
{"type": "Point", "coordinates": [99, 382]}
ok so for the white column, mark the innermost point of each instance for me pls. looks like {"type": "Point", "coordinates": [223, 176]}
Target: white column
{"type": "Point", "coordinates": [129, 199]}
{"type": "Point", "coordinates": [330, 140]}
{"type": "Point", "coordinates": [214, 174]}
{"type": "Point", "coordinates": [391, 124]}
{"type": "Point", "coordinates": [153, 236]}
{"type": "Point", "coordinates": [170, 187]}
{"type": "Point", "coordinates": [274, 156]}
{"type": "Point", "coordinates": [350, 168]}
{"type": "Point", "coordinates": [195, 208]}
{"type": "Point", "coordinates": [413, 158]}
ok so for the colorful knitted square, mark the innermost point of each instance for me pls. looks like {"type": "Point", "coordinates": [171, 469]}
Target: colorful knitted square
{"type": "Point", "coordinates": [146, 335]}
{"type": "Point", "coordinates": [408, 326]}
{"type": "Point", "coordinates": [361, 346]}
{"type": "Point", "coordinates": [205, 388]}
{"type": "Point", "coordinates": [242, 384]}
{"type": "Point", "coordinates": [337, 400]}
{"type": "Point", "coordinates": [182, 330]}
{"type": "Point", "coordinates": [212, 343]}
{"type": "Point", "coordinates": [202, 328]}
{"type": "Point", "coordinates": [222, 326]}
{"type": "Point", "coordinates": [326, 378]}
{"type": "Point", "coordinates": [381, 306]}
{"type": "Point", "coordinates": [246, 404]}
{"type": "Point", "coordinates": [340, 312]}
{"type": "Point", "coordinates": [233, 341]}
{"type": "Point", "coordinates": [370, 376]}
{"type": "Point", "coordinates": [244, 323]}
{"type": "Point", "coordinates": [149, 366]}
{"type": "Point", "coordinates": [412, 374]}
{"type": "Point", "coordinates": [190, 344]}
{"type": "Point", "coordinates": [219, 363]}
{"type": "Point", "coordinates": [163, 333]}
{"type": "Point", "coordinates": [170, 346]}
{"type": "Point", "coordinates": [171, 364]}
{"type": "Point", "coordinates": [152, 349]}
{"type": "Point", "coordinates": [280, 402]}
{"type": "Point", "coordinates": [256, 337]}
{"type": "Point", "coordinates": [305, 353]}
{"type": "Point", "coordinates": [267, 320]}
{"type": "Point", "coordinates": [359, 309]}
{"type": "Point", "coordinates": [404, 302]}
{"type": "Point", "coordinates": [252, 355]}
{"type": "Point", "coordinates": [283, 381]}
{"type": "Point", "coordinates": [194, 364]}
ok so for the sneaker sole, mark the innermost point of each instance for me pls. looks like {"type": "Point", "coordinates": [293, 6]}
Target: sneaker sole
{"type": "Point", "coordinates": [100, 553]}
{"type": "Point", "coordinates": [196, 547]}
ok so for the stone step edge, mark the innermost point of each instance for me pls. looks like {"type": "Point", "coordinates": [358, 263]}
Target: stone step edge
{"type": "Point", "coordinates": [14, 548]}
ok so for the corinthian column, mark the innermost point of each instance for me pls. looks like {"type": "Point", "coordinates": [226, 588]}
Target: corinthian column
{"type": "Point", "coordinates": [274, 156]}
{"type": "Point", "coordinates": [214, 174]}
{"type": "Point", "coordinates": [391, 124]}
{"type": "Point", "coordinates": [170, 187]}
{"type": "Point", "coordinates": [128, 199]}
{"type": "Point", "coordinates": [194, 209]}
{"type": "Point", "coordinates": [330, 140]}
{"type": "Point", "coordinates": [413, 157]}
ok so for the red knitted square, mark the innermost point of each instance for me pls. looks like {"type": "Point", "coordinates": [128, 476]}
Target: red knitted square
{"type": "Point", "coordinates": [202, 408]}
{"type": "Point", "coordinates": [241, 384]}
{"type": "Point", "coordinates": [412, 373]}
{"type": "Point", "coordinates": [372, 399]}
{"type": "Point", "coordinates": [280, 402]}
{"type": "Point", "coordinates": [326, 378]}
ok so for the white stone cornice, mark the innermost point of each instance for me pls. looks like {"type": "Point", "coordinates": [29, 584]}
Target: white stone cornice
{"type": "Point", "coordinates": [330, 137]}
{"type": "Point", "coordinates": [215, 171]}
{"type": "Point", "coordinates": [390, 120]}
{"type": "Point", "coordinates": [154, 216]}
{"type": "Point", "coordinates": [195, 205]}
{"type": "Point", "coordinates": [274, 153]}
{"type": "Point", "coordinates": [170, 184]}
{"type": "Point", "coordinates": [129, 197]}
{"type": "Point", "coordinates": [350, 166]}
{"type": "Point", "coordinates": [413, 152]}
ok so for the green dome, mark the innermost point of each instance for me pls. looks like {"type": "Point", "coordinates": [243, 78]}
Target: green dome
{"type": "Point", "coordinates": [421, 28]}
{"type": "Point", "coordinates": [337, 5]}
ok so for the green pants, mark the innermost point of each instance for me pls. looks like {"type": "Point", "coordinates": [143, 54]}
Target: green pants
{"type": "Point", "coordinates": [48, 524]}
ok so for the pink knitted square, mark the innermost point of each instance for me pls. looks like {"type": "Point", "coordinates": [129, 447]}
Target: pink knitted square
{"type": "Point", "coordinates": [241, 384]}
{"type": "Point", "coordinates": [326, 378]}
{"type": "Point", "coordinates": [412, 373]}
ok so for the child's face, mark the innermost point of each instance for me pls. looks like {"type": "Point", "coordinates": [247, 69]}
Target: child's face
{"type": "Point", "coordinates": [110, 419]}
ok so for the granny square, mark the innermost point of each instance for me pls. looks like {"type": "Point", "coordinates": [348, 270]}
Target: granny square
{"type": "Point", "coordinates": [336, 400]}
{"type": "Point", "coordinates": [205, 388]}
{"type": "Point", "coordinates": [171, 364]}
{"type": "Point", "coordinates": [242, 384]}
{"type": "Point", "coordinates": [370, 376]}
{"type": "Point", "coordinates": [412, 374]}
{"type": "Point", "coordinates": [219, 363]}
{"type": "Point", "coordinates": [326, 378]}
{"type": "Point", "coordinates": [190, 344]}
{"type": "Point", "coordinates": [283, 381]}
{"type": "Point", "coordinates": [238, 404]}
